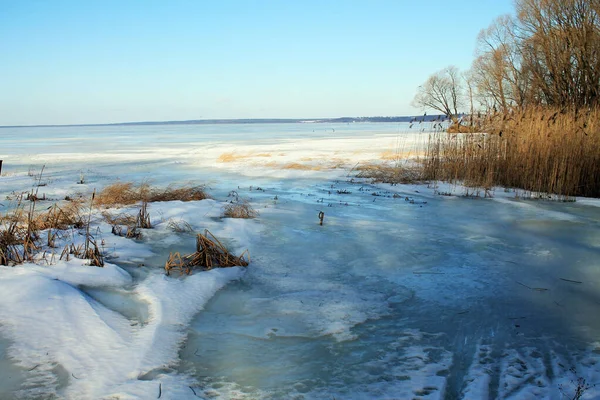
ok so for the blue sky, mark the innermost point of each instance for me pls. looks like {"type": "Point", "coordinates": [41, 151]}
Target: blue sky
{"type": "Point", "coordinates": [67, 62]}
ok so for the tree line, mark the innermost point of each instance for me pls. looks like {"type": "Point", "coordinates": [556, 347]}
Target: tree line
{"type": "Point", "coordinates": [546, 54]}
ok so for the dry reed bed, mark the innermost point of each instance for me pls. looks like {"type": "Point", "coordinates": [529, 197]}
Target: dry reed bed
{"type": "Point", "coordinates": [210, 253]}
{"type": "Point", "coordinates": [20, 228]}
{"type": "Point", "coordinates": [540, 150]}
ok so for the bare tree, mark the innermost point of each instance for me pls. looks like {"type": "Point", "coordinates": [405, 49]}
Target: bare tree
{"type": "Point", "coordinates": [497, 70]}
{"type": "Point", "coordinates": [560, 45]}
{"type": "Point", "coordinates": [441, 92]}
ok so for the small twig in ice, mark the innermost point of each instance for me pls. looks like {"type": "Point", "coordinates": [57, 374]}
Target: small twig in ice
{"type": "Point", "coordinates": [159, 390]}
{"type": "Point", "coordinates": [539, 289]}
{"type": "Point", "coordinates": [569, 280]}
{"type": "Point", "coordinates": [33, 368]}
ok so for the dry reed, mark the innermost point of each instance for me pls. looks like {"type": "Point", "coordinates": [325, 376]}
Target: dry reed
{"type": "Point", "coordinates": [88, 250]}
{"type": "Point", "coordinates": [239, 209]}
{"type": "Point", "coordinates": [179, 226]}
{"type": "Point", "coordinates": [210, 253]}
{"type": "Point", "coordinates": [540, 150]}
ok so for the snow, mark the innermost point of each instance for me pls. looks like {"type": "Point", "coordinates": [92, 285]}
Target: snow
{"type": "Point", "coordinates": [418, 295]}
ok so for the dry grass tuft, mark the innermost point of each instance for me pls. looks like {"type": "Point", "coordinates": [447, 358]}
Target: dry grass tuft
{"type": "Point", "coordinates": [120, 219]}
{"type": "Point", "coordinates": [210, 253]}
{"type": "Point", "coordinates": [61, 217]}
{"type": "Point", "coordinates": [231, 157]}
{"type": "Point", "coordinates": [186, 193]}
{"type": "Point", "coordinates": [89, 250]}
{"type": "Point", "coordinates": [13, 244]}
{"type": "Point", "coordinates": [18, 235]}
{"type": "Point", "coordinates": [126, 193]}
{"type": "Point", "coordinates": [239, 209]}
{"type": "Point", "coordinates": [539, 149]}
{"type": "Point", "coordinates": [390, 174]}
{"type": "Point", "coordinates": [301, 167]}
{"type": "Point", "coordinates": [179, 226]}
{"type": "Point", "coordinates": [119, 193]}
{"type": "Point", "coordinates": [128, 225]}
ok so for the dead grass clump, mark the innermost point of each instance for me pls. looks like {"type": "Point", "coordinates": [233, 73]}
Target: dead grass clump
{"type": "Point", "coordinates": [210, 253]}
{"type": "Point", "coordinates": [88, 250]}
{"type": "Point", "coordinates": [301, 167]}
{"type": "Point", "coordinates": [124, 225]}
{"type": "Point", "coordinates": [20, 230]}
{"type": "Point", "coordinates": [538, 149]}
{"type": "Point", "coordinates": [239, 209]}
{"type": "Point", "coordinates": [229, 157]}
{"type": "Point", "coordinates": [18, 235]}
{"type": "Point", "coordinates": [119, 219]}
{"type": "Point", "coordinates": [126, 193]}
{"type": "Point", "coordinates": [129, 226]}
{"type": "Point", "coordinates": [119, 193]}
{"type": "Point", "coordinates": [457, 127]}
{"type": "Point", "coordinates": [390, 174]}
{"type": "Point", "coordinates": [179, 226]}
{"type": "Point", "coordinates": [61, 217]}
{"type": "Point", "coordinates": [130, 232]}
{"type": "Point", "coordinates": [12, 239]}
{"type": "Point", "coordinates": [186, 193]}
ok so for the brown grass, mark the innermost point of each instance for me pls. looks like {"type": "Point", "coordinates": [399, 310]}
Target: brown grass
{"type": "Point", "coordinates": [540, 150]}
{"type": "Point", "coordinates": [239, 209]}
{"type": "Point", "coordinates": [128, 225]}
{"type": "Point", "coordinates": [460, 128]}
{"type": "Point", "coordinates": [61, 217]}
{"type": "Point", "coordinates": [231, 157]}
{"type": "Point", "coordinates": [390, 174]}
{"type": "Point", "coordinates": [120, 219]}
{"type": "Point", "coordinates": [391, 155]}
{"type": "Point", "coordinates": [179, 226]}
{"type": "Point", "coordinates": [13, 238]}
{"type": "Point", "coordinates": [210, 253]}
{"type": "Point", "coordinates": [126, 193]}
{"type": "Point", "coordinates": [18, 235]}
{"type": "Point", "coordinates": [301, 167]}
{"type": "Point", "coordinates": [88, 250]}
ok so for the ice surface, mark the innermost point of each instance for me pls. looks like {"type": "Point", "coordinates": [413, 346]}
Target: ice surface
{"type": "Point", "coordinates": [416, 295]}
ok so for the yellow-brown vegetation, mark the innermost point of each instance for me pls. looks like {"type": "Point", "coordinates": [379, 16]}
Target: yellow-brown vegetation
{"type": "Point", "coordinates": [541, 150]}
{"type": "Point", "coordinates": [126, 193]}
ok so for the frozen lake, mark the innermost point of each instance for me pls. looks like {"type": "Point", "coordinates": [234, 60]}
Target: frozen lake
{"type": "Point", "coordinates": [402, 293]}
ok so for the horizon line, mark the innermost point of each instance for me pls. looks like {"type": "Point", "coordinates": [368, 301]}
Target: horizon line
{"type": "Point", "coordinates": [230, 120]}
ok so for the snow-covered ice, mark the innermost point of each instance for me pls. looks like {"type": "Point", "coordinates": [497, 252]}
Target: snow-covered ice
{"type": "Point", "coordinates": [402, 293]}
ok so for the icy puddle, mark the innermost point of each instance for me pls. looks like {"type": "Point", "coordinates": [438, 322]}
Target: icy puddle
{"type": "Point", "coordinates": [431, 298]}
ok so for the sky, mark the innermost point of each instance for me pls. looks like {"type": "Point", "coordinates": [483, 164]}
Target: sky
{"type": "Point", "coordinates": [74, 62]}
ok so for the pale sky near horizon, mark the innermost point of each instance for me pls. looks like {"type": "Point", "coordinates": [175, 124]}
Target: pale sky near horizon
{"type": "Point", "coordinates": [70, 61]}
